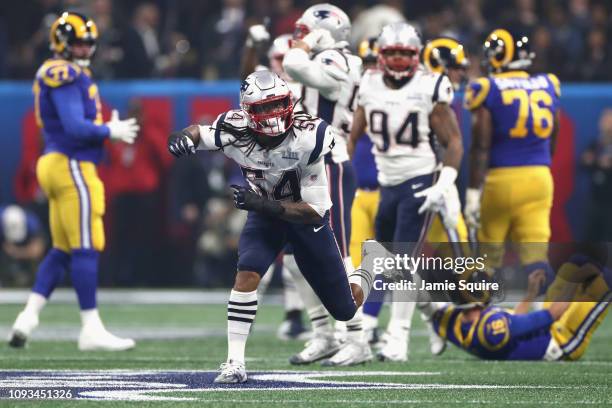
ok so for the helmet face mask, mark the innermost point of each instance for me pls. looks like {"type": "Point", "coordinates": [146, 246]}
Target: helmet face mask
{"type": "Point", "coordinates": [399, 47]}
{"type": "Point", "coordinates": [272, 116]}
{"type": "Point", "coordinates": [301, 31]}
{"type": "Point", "coordinates": [266, 100]}
{"type": "Point", "coordinates": [399, 62]}
{"type": "Point", "coordinates": [73, 37]}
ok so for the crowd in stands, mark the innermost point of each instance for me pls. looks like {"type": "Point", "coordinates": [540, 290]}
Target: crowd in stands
{"type": "Point", "coordinates": [204, 39]}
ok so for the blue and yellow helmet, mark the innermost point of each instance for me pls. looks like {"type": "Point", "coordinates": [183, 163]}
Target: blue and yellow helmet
{"type": "Point", "coordinates": [442, 53]}
{"type": "Point", "coordinates": [505, 52]}
{"type": "Point", "coordinates": [368, 51]}
{"type": "Point", "coordinates": [69, 29]}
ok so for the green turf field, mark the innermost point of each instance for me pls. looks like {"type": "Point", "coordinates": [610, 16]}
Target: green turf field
{"type": "Point", "coordinates": [188, 340]}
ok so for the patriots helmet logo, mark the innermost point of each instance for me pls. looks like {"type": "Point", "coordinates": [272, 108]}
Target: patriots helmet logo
{"type": "Point", "coordinates": [243, 86]}
{"type": "Point", "coordinates": [321, 14]}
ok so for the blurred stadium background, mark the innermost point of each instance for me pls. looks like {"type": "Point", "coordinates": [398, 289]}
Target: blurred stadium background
{"type": "Point", "coordinates": [177, 62]}
{"type": "Point", "coordinates": [171, 224]}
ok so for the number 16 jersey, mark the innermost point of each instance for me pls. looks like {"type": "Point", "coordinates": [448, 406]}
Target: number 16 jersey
{"type": "Point", "coordinates": [398, 123]}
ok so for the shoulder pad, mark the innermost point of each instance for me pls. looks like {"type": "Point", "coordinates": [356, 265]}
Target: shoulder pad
{"type": "Point", "coordinates": [554, 80]}
{"type": "Point", "coordinates": [55, 73]}
{"type": "Point", "coordinates": [317, 137]}
{"type": "Point", "coordinates": [334, 62]}
{"type": "Point", "coordinates": [476, 93]}
{"type": "Point", "coordinates": [234, 117]}
{"type": "Point", "coordinates": [443, 89]}
{"type": "Point", "coordinates": [493, 330]}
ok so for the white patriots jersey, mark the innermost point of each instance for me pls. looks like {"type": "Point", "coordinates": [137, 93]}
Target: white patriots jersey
{"type": "Point", "coordinates": [293, 170]}
{"type": "Point", "coordinates": [336, 107]}
{"type": "Point", "coordinates": [398, 123]}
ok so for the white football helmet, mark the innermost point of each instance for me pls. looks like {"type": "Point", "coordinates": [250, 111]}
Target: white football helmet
{"type": "Point", "coordinates": [14, 224]}
{"type": "Point", "coordinates": [324, 16]}
{"type": "Point", "coordinates": [266, 100]}
{"type": "Point", "coordinates": [399, 45]}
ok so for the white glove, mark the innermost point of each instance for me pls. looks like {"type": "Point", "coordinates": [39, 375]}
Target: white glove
{"type": "Point", "coordinates": [319, 39]}
{"type": "Point", "coordinates": [434, 195]}
{"type": "Point", "coordinates": [124, 130]}
{"type": "Point", "coordinates": [451, 208]}
{"type": "Point", "coordinates": [257, 35]}
{"type": "Point", "coordinates": [472, 207]}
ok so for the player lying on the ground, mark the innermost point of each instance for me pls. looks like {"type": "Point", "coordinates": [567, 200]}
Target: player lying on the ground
{"type": "Point", "coordinates": [281, 156]}
{"type": "Point", "coordinates": [561, 331]}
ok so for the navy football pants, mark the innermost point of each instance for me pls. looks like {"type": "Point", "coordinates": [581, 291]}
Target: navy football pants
{"type": "Point", "coordinates": [316, 253]}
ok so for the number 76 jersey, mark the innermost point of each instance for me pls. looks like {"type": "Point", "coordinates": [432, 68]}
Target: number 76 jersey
{"type": "Point", "coordinates": [522, 108]}
{"type": "Point", "coordinates": [398, 123]}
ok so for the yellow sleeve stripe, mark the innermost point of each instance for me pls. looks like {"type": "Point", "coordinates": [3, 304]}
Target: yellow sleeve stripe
{"type": "Point", "coordinates": [556, 83]}
{"type": "Point", "coordinates": [474, 101]}
{"type": "Point", "coordinates": [443, 326]}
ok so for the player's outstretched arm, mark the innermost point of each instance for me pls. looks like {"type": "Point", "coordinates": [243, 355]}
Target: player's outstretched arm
{"type": "Point", "coordinates": [184, 142]}
{"type": "Point", "coordinates": [357, 130]}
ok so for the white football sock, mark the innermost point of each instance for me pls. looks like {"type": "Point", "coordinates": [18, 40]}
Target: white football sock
{"type": "Point", "coordinates": [265, 280]}
{"type": "Point", "coordinates": [364, 275]}
{"type": "Point", "coordinates": [354, 327]}
{"type": "Point", "coordinates": [319, 316]}
{"type": "Point", "coordinates": [35, 304]}
{"type": "Point", "coordinates": [241, 310]}
{"type": "Point", "coordinates": [90, 319]}
{"type": "Point", "coordinates": [319, 321]}
{"type": "Point", "coordinates": [291, 296]}
{"type": "Point", "coordinates": [400, 322]}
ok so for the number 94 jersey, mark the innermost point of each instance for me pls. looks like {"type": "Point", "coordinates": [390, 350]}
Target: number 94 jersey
{"type": "Point", "coordinates": [398, 123]}
{"type": "Point", "coordinates": [293, 170]}
{"type": "Point", "coordinates": [522, 108]}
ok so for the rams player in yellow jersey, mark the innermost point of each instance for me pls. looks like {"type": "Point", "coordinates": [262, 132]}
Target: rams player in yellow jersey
{"type": "Point", "coordinates": [515, 118]}
{"type": "Point", "coordinates": [68, 111]}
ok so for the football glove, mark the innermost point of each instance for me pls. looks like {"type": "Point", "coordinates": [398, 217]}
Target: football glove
{"type": "Point", "coordinates": [180, 144]}
{"type": "Point", "coordinates": [319, 40]}
{"type": "Point", "coordinates": [472, 207]}
{"type": "Point", "coordinates": [257, 36]}
{"type": "Point", "coordinates": [124, 130]}
{"type": "Point", "coordinates": [247, 199]}
{"type": "Point", "coordinates": [451, 208]}
{"type": "Point", "coordinates": [434, 195]}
